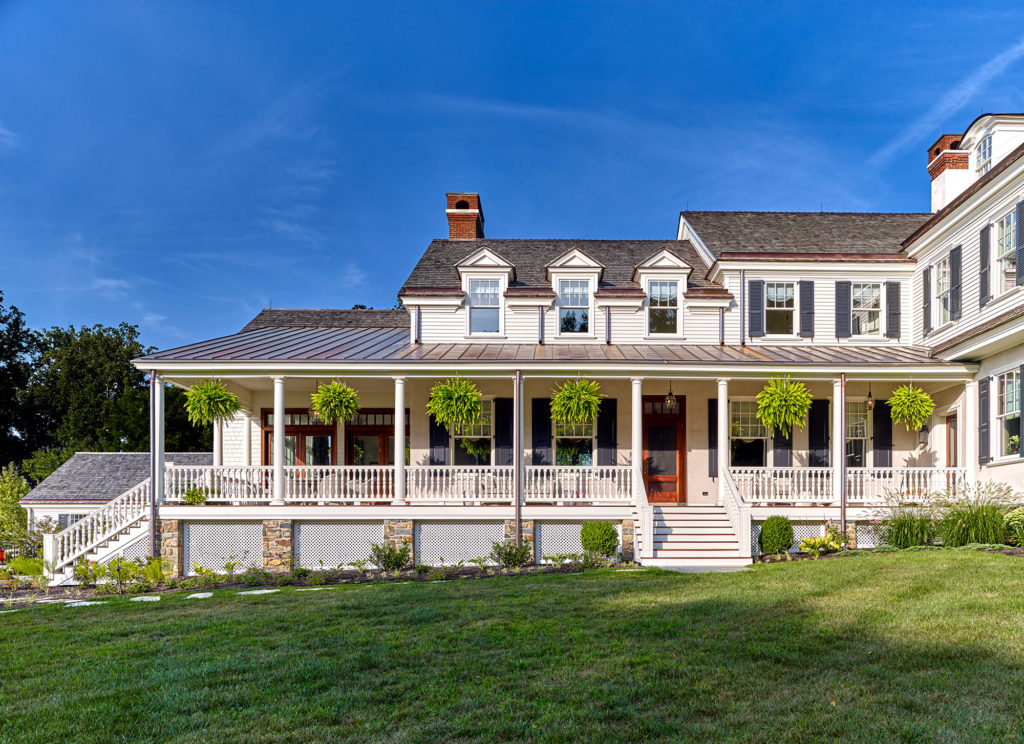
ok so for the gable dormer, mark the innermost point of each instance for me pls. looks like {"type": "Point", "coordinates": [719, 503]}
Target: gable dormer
{"type": "Point", "coordinates": [485, 261]}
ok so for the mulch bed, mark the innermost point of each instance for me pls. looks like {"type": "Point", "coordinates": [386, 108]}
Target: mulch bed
{"type": "Point", "coordinates": [865, 551]}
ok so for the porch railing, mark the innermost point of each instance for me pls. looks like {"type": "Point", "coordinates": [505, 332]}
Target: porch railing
{"type": "Point", "coordinates": [463, 483]}
{"type": "Point", "coordinates": [863, 485]}
{"type": "Point", "coordinates": [737, 511]}
{"type": "Point", "coordinates": [571, 483]}
{"type": "Point", "coordinates": [784, 485]}
{"type": "Point", "coordinates": [876, 485]}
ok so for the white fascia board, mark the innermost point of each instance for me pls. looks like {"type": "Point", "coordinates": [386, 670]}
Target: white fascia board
{"type": "Point", "coordinates": [989, 342]}
{"type": "Point", "coordinates": [725, 302]}
{"type": "Point", "coordinates": [633, 302]}
{"type": "Point", "coordinates": [412, 510]}
{"type": "Point", "coordinates": [685, 231]}
{"type": "Point", "coordinates": [452, 301]}
{"type": "Point", "coordinates": [841, 269]}
{"type": "Point", "coordinates": [527, 301]}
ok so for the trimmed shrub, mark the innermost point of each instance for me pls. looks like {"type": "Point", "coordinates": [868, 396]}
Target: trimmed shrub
{"type": "Point", "coordinates": [776, 535]}
{"type": "Point", "coordinates": [387, 557]}
{"type": "Point", "coordinates": [254, 576]}
{"type": "Point", "coordinates": [908, 528]}
{"type": "Point", "coordinates": [599, 537]}
{"type": "Point", "coordinates": [510, 555]}
{"type": "Point", "coordinates": [1014, 522]}
{"type": "Point", "coordinates": [972, 522]}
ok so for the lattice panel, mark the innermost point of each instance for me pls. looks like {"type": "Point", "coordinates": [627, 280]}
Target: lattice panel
{"type": "Point", "coordinates": [868, 535]}
{"type": "Point", "coordinates": [137, 549]}
{"type": "Point", "coordinates": [456, 541]}
{"type": "Point", "coordinates": [800, 531]}
{"type": "Point", "coordinates": [558, 537]}
{"type": "Point", "coordinates": [331, 544]}
{"type": "Point", "coordinates": [212, 544]}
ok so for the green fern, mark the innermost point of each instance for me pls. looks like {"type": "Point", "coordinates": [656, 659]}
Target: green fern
{"type": "Point", "coordinates": [576, 402]}
{"type": "Point", "coordinates": [783, 404]}
{"type": "Point", "coordinates": [454, 401]}
{"type": "Point", "coordinates": [336, 401]}
{"type": "Point", "coordinates": [910, 406]}
{"type": "Point", "coordinates": [209, 401]}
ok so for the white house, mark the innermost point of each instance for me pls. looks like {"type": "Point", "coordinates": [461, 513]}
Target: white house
{"type": "Point", "coordinates": [681, 334]}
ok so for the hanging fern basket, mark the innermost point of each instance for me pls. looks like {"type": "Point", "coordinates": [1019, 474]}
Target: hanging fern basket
{"type": "Point", "coordinates": [210, 401]}
{"type": "Point", "coordinates": [783, 404]}
{"type": "Point", "coordinates": [335, 401]}
{"type": "Point", "coordinates": [910, 406]}
{"type": "Point", "coordinates": [454, 402]}
{"type": "Point", "coordinates": [576, 402]}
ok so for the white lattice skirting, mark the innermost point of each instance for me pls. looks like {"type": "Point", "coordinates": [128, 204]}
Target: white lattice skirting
{"type": "Point", "coordinates": [867, 535]}
{"type": "Point", "coordinates": [138, 548]}
{"type": "Point", "coordinates": [456, 541]}
{"type": "Point", "coordinates": [212, 544]}
{"type": "Point", "coordinates": [320, 545]}
{"type": "Point", "coordinates": [558, 537]}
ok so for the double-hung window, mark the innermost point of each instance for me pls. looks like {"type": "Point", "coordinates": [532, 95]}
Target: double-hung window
{"type": "Point", "coordinates": [574, 444]}
{"type": "Point", "coordinates": [574, 306]}
{"type": "Point", "coordinates": [984, 155]}
{"type": "Point", "coordinates": [856, 434]}
{"type": "Point", "coordinates": [1008, 411]}
{"type": "Point", "coordinates": [1006, 252]}
{"type": "Point", "coordinates": [867, 309]}
{"type": "Point", "coordinates": [484, 306]}
{"type": "Point", "coordinates": [942, 290]}
{"type": "Point", "coordinates": [748, 436]}
{"type": "Point", "coordinates": [474, 442]}
{"type": "Point", "coordinates": [778, 308]}
{"type": "Point", "coordinates": [663, 309]}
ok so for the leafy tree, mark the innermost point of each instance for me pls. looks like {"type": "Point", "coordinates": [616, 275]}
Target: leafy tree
{"type": "Point", "coordinates": [43, 462]}
{"type": "Point", "coordinates": [13, 519]}
{"type": "Point", "coordinates": [17, 342]}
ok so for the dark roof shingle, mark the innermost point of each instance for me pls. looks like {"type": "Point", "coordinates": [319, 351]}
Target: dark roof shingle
{"type": "Point", "coordinates": [103, 476]}
{"type": "Point", "coordinates": [290, 318]}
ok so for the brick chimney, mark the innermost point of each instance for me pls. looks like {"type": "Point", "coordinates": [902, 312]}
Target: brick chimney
{"type": "Point", "coordinates": [465, 216]}
{"type": "Point", "coordinates": [948, 166]}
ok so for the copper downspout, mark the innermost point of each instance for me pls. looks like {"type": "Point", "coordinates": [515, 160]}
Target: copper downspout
{"type": "Point", "coordinates": [842, 455]}
{"type": "Point", "coordinates": [517, 453]}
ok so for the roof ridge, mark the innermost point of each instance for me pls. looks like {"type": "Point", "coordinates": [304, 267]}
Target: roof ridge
{"type": "Point", "coordinates": [768, 211]}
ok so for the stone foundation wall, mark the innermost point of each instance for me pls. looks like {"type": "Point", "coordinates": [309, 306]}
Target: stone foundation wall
{"type": "Point", "coordinates": [278, 545]}
{"type": "Point", "coordinates": [527, 532]}
{"type": "Point", "coordinates": [399, 532]}
{"type": "Point", "coordinates": [628, 540]}
{"type": "Point", "coordinates": [170, 535]}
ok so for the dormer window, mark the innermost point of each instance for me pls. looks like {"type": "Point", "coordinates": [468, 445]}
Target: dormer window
{"type": "Point", "coordinates": [484, 306]}
{"type": "Point", "coordinates": [574, 306]}
{"type": "Point", "coordinates": [779, 308]}
{"type": "Point", "coordinates": [663, 307]}
{"type": "Point", "coordinates": [983, 155]}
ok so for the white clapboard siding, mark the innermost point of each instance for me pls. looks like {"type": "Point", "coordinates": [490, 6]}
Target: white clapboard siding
{"type": "Point", "coordinates": [442, 325]}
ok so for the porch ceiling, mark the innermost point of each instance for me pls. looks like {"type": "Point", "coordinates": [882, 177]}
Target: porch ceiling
{"type": "Point", "coordinates": [320, 347]}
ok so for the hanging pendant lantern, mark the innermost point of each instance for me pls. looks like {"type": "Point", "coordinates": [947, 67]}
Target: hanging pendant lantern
{"type": "Point", "coordinates": [870, 402]}
{"type": "Point", "coordinates": [670, 400]}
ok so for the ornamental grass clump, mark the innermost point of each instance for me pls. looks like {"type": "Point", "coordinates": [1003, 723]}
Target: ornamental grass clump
{"type": "Point", "coordinates": [210, 401]}
{"type": "Point", "coordinates": [335, 401]}
{"type": "Point", "coordinates": [910, 406]}
{"type": "Point", "coordinates": [453, 402]}
{"type": "Point", "coordinates": [783, 404]}
{"type": "Point", "coordinates": [576, 402]}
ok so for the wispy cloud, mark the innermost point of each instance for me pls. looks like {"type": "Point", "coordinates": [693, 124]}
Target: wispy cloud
{"type": "Point", "coordinates": [926, 125]}
{"type": "Point", "coordinates": [112, 289]}
{"type": "Point", "coordinates": [8, 140]}
{"type": "Point", "coordinates": [352, 276]}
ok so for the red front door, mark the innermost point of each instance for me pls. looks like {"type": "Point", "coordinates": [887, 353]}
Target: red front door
{"type": "Point", "coordinates": [664, 463]}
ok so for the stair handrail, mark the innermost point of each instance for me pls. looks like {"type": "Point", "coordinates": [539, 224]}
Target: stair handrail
{"type": "Point", "coordinates": [644, 514]}
{"type": "Point", "coordinates": [738, 512]}
{"type": "Point", "coordinates": [64, 548]}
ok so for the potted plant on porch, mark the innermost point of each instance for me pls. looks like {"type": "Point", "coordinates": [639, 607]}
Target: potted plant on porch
{"type": "Point", "coordinates": [910, 406]}
{"type": "Point", "coordinates": [209, 401]}
{"type": "Point", "coordinates": [335, 401]}
{"type": "Point", "coordinates": [783, 404]}
{"type": "Point", "coordinates": [576, 402]}
{"type": "Point", "coordinates": [453, 402]}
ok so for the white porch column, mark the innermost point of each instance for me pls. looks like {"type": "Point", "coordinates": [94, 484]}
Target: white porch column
{"type": "Point", "coordinates": [723, 435]}
{"type": "Point", "coordinates": [968, 433]}
{"type": "Point", "coordinates": [838, 436]}
{"type": "Point", "coordinates": [248, 437]}
{"type": "Point", "coordinates": [218, 442]}
{"type": "Point", "coordinates": [278, 453]}
{"type": "Point", "coordinates": [156, 454]}
{"type": "Point", "coordinates": [399, 440]}
{"type": "Point", "coordinates": [636, 432]}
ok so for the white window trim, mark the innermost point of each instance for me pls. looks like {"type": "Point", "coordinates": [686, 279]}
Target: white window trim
{"type": "Point", "coordinates": [981, 167]}
{"type": "Point", "coordinates": [882, 309]}
{"type": "Point", "coordinates": [769, 449]}
{"type": "Point", "coordinates": [796, 309]}
{"type": "Point", "coordinates": [502, 280]}
{"type": "Point", "coordinates": [680, 281]}
{"type": "Point", "coordinates": [996, 427]}
{"type": "Point", "coordinates": [937, 321]}
{"type": "Point", "coordinates": [995, 263]}
{"type": "Point", "coordinates": [591, 278]}
{"type": "Point", "coordinates": [593, 444]}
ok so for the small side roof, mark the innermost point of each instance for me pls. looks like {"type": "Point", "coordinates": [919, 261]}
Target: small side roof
{"type": "Point", "coordinates": [294, 318]}
{"type": "Point", "coordinates": [103, 476]}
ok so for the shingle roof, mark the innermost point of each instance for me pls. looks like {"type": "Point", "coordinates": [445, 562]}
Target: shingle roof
{"type": "Point", "coordinates": [805, 232]}
{"type": "Point", "coordinates": [102, 476]}
{"type": "Point", "coordinates": [436, 268]}
{"type": "Point", "coordinates": [286, 318]}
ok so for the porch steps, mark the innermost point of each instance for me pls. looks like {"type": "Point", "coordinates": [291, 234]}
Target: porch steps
{"type": "Point", "coordinates": [106, 550]}
{"type": "Point", "coordinates": [695, 536]}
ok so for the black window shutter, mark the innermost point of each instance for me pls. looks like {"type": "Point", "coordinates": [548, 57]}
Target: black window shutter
{"type": "Point", "coordinates": [817, 434]}
{"type": "Point", "coordinates": [504, 452]}
{"type": "Point", "coordinates": [63, 521]}
{"type": "Point", "coordinates": [713, 438]}
{"type": "Point", "coordinates": [782, 448]}
{"type": "Point", "coordinates": [892, 309]}
{"type": "Point", "coordinates": [984, 259]}
{"type": "Point", "coordinates": [843, 310]}
{"type": "Point", "coordinates": [1020, 439]}
{"type": "Point", "coordinates": [607, 421]}
{"type": "Point", "coordinates": [756, 310]}
{"type": "Point", "coordinates": [926, 300]}
{"type": "Point", "coordinates": [882, 425]}
{"type": "Point", "coordinates": [983, 418]}
{"type": "Point", "coordinates": [1020, 243]}
{"type": "Point", "coordinates": [807, 309]}
{"type": "Point", "coordinates": [955, 264]}
{"type": "Point", "coordinates": [541, 442]}
{"type": "Point", "coordinates": [438, 443]}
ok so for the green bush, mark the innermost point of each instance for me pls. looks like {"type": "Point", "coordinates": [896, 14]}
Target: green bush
{"type": "Point", "coordinates": [195, 496]}
{"type": "Point", "coordinates": [24, 566]}
{"type": "Point", "coordinates": [599, 537]}
{"type": "Point", "coordinates": [510, 555]}
{"type": "Point", "coordinates": [1014, 522]}
{"type": "Point", "coordinates": [907, 528]}
{"type": "Point", "coordinates": [254, 576]}
{"type": "Point", "coordinates": [776, 535]}
{"type": "Point", "coordinates": [387, 557]}
{"type": "Point", "coordinates": [972, 522]}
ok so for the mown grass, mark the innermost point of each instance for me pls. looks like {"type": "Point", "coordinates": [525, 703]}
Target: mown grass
{"type": "Point", "coordinates": [908, 647]}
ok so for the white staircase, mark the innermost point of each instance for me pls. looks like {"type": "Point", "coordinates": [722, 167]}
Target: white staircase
{"type": "Point", "coordinates": [694, 536]}
{"type": "Point", "coordinates": [120, 527]}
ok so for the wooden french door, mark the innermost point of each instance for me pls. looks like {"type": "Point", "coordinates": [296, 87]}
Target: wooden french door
{"type": "Point", "coordinates": [664, 464]}
{"type": "Point", "coordinates": [305, 443]}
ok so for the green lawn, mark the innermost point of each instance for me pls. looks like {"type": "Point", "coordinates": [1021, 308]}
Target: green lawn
{"type": "Point", "coordinates": [922, 647]}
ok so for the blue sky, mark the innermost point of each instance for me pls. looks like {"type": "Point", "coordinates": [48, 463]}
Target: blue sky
{"type": "Point", "coordinates": [180, 165]}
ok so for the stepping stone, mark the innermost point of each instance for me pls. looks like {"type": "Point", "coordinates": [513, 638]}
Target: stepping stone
{"type": "Point", "coordinates": [200, 595]}
{"type": "Point", "coordinates": [628, 570]}
{"type": "Point", "coordinates": [312, 589]}
{"type": "Point", "coordinates": [145, 599]}
{"type": "Point", "coordinates": [4, 612]}
{"type": "Point", "coordinates": [261, 591]}
{"type": "Point", "coordinates": [84, 604]}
